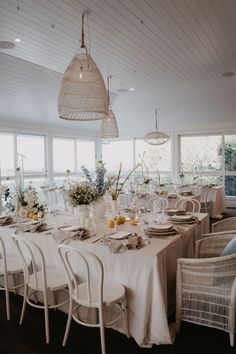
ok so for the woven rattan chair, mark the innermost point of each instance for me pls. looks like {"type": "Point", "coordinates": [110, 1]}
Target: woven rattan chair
{"type": "Point", "coordinates": [206, 287]}
{"type": "Point", "coordinates": [224, 225]}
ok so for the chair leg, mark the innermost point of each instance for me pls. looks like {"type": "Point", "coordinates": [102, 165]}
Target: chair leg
{"type": "Point", "coordinates": [231, 336]}
{"type": "Point", "coordinates": [7, 297]}
{"type": "Point", "coordinates": [102, 331]}
{"type": "Point", "coordinates": [24, 304]}
{"type": "Point", "coordinates": [125, 317]}
{"type": "Point", "coordinates": [68, 324]}
{"type": "Point", "coordinates": [46, 318]}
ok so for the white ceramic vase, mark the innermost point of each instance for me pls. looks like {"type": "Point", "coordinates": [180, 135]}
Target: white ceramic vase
{"type": "Point", "coordinates": [99, 208]}
{"type": "Point", "coordinates": [83, 213]}
{"type": "Point", "coordinates": [114, 208]}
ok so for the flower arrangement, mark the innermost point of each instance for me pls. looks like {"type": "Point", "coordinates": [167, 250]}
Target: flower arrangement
{"type": "Point", "coordinates": [23, 202]}
{"type": "Point", "coordinates": [99, 183]}
{"type": "Point", "coordinates": [115, 185]}
{"type": "Point", "coordinates": [82, 193]}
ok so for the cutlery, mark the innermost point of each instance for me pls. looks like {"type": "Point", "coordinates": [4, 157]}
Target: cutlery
{"type": "Point", "coordinates": [143, 244]}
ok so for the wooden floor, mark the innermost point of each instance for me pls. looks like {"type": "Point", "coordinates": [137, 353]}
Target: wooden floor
{"type": "Point", "coordinates": [29, 337]}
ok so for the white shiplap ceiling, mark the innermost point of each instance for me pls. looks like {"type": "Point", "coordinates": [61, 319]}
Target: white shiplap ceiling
{"type": "Point", "coordinates": [145, 44]}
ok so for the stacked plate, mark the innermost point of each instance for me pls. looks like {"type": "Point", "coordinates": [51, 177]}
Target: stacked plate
{"type": "Point", "coordinates": [160, 230]}
{"type": "Point", "coordinates": [175, 211]}
{"type": "Point", "coordinates": [183, 219]}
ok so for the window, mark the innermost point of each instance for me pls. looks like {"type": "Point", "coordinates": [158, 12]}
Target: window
{"type": "Point", "coordinates": [86, 155]}
{"type": "Point", "coordinates": [6, 155]}
{"type": "Point", "coordinates": [155, 157]}
{"type": "Point", "coordinates": [63, 155]}
{"type": "Point", "coordinates": [31, 154]}
{"type": "Point", "coordinates": [118, 151]}
{"type": "Point", "coordinates": [201, 153]}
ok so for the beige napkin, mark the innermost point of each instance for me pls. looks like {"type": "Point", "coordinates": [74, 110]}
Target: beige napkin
{"type": "Point", "coordinates": [60, 235]}
{"type": "Point", "coordinates": [118, 246]}
{"type": "Point", "coordinates": [5, 220]}
{"type": "Point", "coordinates": [29, 227]}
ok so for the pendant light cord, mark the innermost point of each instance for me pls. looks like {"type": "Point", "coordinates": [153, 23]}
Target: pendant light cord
{"type": "Point", "coordinates": [156, 118]}
{"type": "Point", "coordinates": [108, 90]}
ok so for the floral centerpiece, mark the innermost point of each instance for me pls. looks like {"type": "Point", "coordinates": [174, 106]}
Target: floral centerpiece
{"type": "Point", "coordinates": [23, 202]}
{"type": "Point", "coordinates": [82, 193]}
{"type": "Point", "coordinates": [99, 183]}
{"type": "Point", "coordinates": [115, 184]}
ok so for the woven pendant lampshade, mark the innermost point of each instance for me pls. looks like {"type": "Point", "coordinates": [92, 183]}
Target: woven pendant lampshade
{"type": "Point", "coordinates": [109, 127]}
{"type": "Point", "coordinates": [83, 94]}
{"type": "Point", "coordinates": [156, 137]}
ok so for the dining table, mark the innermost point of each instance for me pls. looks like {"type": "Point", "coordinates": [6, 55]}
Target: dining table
{"type": "Point", "coordinates": [148, 273]}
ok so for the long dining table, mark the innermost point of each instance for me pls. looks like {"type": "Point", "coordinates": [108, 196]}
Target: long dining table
{"type": "Point", "coordinates": [148, 274]}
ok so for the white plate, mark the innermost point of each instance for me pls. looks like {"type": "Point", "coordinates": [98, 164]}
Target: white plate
{"type": "Point", "coordinates": [119, 235]}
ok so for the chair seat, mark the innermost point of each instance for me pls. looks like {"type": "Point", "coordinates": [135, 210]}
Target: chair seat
{"type": "Point", "coordinates": [13, 265]}
{"type": "Point", "coordinates": [55, 280]}
{"type": "Point", "coordinates": [112, 293]}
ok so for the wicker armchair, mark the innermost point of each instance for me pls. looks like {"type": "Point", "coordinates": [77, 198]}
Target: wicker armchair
{"type": "Point", "coordinates": [224, 225]}
{"type": "Point", "coordinates": [206, 287]}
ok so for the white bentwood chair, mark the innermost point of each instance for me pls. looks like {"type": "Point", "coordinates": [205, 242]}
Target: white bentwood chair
{"type": "Point", "coordinates": [157, 202]}
{"type": "Point", "coordinates": [42, 279]}
{"type": "Point", "coordinates": [10, 266]}
{"type": "Point", "coordinates": [189, 204]}
{"type": "Point", "coordinates": [206, 286]}
{"type": "Point", "coordinates": [93, 291]}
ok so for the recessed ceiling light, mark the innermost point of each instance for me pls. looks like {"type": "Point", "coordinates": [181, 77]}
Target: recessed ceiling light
{"type": "Point", "coordinates": [18, 40]}
{"type": "Point", "coordinates": [121, 90]}
{"type": "Point", "coordinates": [7, 45]}
{"type": "Point", "coordinates": [131, 89]}
{"type": "Point", "coordinates": [228, 74]}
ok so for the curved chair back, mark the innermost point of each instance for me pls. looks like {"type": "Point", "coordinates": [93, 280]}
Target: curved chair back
{"type": "Point", "coordinates": [189, 204]}
{"type": "Point", "coordinates": [224, 225]}
{"type": "Point", "coordinates": [82, 264]}
{"type": "Point", "coordinates": [157, 202]}
{"type": "Point", "coordinates": [28, 249]}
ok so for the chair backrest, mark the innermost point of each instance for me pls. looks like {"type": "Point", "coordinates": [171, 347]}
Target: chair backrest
{"type": "Point", "coordinates": [212, 245]}
{"type": "Point", "coordinates": [157, 202]}
{"type": "Point", "coordinates": [189, 204]}
{"type": "Point", "coordinates": [224, 225]}
{"type": "Point", "coordinates": [29, 250]}
{"type": "Point", "coordinates": [82, 266]}
{"type": "Point", "coordinates": [4, 258]}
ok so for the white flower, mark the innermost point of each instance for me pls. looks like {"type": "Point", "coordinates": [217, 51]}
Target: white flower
{"type": "Point", "coordinates": [3, 188]}
{"type": "Point", "coordinates": [23, 212]}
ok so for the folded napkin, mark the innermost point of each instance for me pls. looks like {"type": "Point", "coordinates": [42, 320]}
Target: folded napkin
{"type": "Point", "coordinates": [6, 219]}
{"type": "Point", "coordinates": [30, 226]}
{"type": "Point", "coordinates": [119, 246]}
{"type": "Point", "coordinates": [175, 211]}
{"type": "Point", "coordinates": [60, 235]}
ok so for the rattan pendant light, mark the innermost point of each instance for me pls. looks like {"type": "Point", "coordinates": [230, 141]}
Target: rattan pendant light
{"type": "Point", "coordinates": [156, 137]}
{"type": "Point", "coordinates": [109, 127]}
{"type": "Point", "coordinates": [83, 94]}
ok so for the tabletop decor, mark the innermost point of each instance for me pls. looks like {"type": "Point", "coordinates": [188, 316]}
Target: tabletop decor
{"type": "Point", "coordinates": [24, 203]}
{"type": "Point", "coordinates": [115, 187]}
{"type": "Point", "coordinates": [100, 185]}
{"type": "Point", "coordinates": [81, 195]}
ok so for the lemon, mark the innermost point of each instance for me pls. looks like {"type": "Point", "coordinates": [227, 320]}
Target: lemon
{"type": "Point", "coordinates": [120, 219]}
{"type": "Point", "coordinates": [133, 222]}
{"type": "Point", "coordinates": [111, 223]}
{"type": "Point", "coordinates": [35, 217]}
{"type": "Point", "coordinates": [30, 215]}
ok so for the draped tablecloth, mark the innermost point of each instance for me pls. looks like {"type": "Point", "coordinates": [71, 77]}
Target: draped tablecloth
{"type": "Point", "coordinates": [217, 201]}
{"type": "Point", "coordinates": [149, 275]}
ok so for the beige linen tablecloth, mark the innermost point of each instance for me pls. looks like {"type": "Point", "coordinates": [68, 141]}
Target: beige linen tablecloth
{"type": "Point", "coordinates": [149, 275]}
